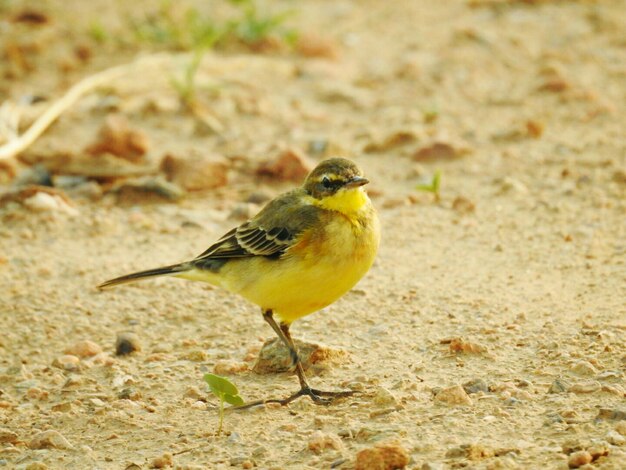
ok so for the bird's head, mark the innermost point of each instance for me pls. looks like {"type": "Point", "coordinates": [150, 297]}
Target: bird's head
{"type": "Point", "coordinates": [336, 184]}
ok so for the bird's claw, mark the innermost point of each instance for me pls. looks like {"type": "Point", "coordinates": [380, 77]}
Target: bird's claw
{"type": "Point", "coordinates": [318, 397]}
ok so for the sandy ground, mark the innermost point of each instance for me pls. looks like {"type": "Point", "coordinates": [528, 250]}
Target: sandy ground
{"type": "Point", "coordinates": [514, 279]}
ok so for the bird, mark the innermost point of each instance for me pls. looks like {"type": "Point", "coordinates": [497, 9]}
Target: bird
{"type": "Point", "coordinates": [304, 250]}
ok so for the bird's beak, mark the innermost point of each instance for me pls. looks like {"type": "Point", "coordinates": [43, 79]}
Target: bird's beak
{"type": "Point", "coordinates": [356, 182]}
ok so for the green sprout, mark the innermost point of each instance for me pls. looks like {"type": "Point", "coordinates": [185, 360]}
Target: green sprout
{"type": "Point", "coordinates": [433, 186]}
{"type": "Point", "coordinates": [254, 26]}
{"type": "Point", "coordinates": [226, 391]}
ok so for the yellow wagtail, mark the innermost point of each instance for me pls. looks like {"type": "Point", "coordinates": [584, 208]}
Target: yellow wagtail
{"type": "Point", "coordinates": [300, 253]}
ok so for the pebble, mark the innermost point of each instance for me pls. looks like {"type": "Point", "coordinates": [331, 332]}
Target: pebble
{"type": "Point", "coordinates": [475, 386]}
{"type": "Point", "coordinates": [584, 368]}
{"type": "Point", "coordinates": [116, 137]}
{"type": "Point", "coordinates": [559, 386]}
{"type": "Point", "coordinates": [49, 439]}
{"type": "Point", "coordinates": [67, 362]}
{"type": "Point", "coordinates": [590, 386]}
{"type": "Point", "coordinates": [387, 456]}
{"type": "Point", "coordinates": [459, 345]}
{"type": "Point", "coordinates": [320, 441]}
{"type": "Point", "coordinates": [44, 202]}
{"type": "Point", "coordinates": [455, 395]}
{"type": "Point", "coordinates": [196, 173]}
{"type": "Point", "coordinates": [84, 349]}
{"type": "Point", "coordinates": [36, 466]}
{"type": "Point", "coordinates": [433, 466]}
{"type": "Point", "coordinates": [127, 343]}
{"type": "Point", "coordinates": [7, 436]}
{"type": "Point", "coordinates": [396, 139]}
{"type": "Point", "coordinates": [290, 165]}
{"type": "Point", "coordinates": [313, 45]}
{"type": "Point", "coordinates": [578, 459]}
{"type": "Point", "coordinates": [615, 438]}
{"type": "Point", "coordinates": [161, 462]}
{"type": "Point", "coordinates": [621, 428]}
{"type": "Point", "coordinates": [243, 211]}
{"type": "Point", "coordinates": [384, 398]}
{"type": "Point", "coordinates": [508, 184]}
{"type": "Point", "coordinates": [274, 356]}
{"type": "Point", "coordinates": [612, 414]}
{"type": "Point", "coordinates": [439, 151]}
{"type": "Point", "coordinates": [230, 367]}
{"type": "Point", "coordinates": [463, 205]}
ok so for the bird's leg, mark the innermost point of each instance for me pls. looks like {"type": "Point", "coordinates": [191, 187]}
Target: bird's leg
{"type": "Point", "coordinates": [305, 390]}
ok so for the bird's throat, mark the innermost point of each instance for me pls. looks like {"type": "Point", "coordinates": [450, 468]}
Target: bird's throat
{"type": "Point", "coordinates": [348, 201]}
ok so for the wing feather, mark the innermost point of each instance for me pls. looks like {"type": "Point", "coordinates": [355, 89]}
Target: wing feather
{"type": "Point", "coordinates": [270, 234]}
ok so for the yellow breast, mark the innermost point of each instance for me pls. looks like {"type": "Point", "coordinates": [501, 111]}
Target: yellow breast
{"type": "Point", "coordinates": [327, 261]}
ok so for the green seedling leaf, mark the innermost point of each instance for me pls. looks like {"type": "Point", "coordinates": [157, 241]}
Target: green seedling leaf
{"type": "Point", "coordinates": [221, 386]}
{"type": "Point", "coordinates": [234, 400]}
{"type": "Point", "coordinates": [433, 186]}
{"type": "Point", "coordinates": [226, 391]}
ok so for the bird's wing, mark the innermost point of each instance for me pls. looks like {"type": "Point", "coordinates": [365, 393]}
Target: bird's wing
{"type": "Point", "coordinates": [270, 233]}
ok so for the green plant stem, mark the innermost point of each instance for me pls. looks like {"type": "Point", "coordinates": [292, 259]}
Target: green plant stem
{"type": "Point", "coordinates": [219, 428]}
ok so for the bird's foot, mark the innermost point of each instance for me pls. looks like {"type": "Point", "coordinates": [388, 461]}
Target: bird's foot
{"type": "Point", "coordinates": [318, 397]}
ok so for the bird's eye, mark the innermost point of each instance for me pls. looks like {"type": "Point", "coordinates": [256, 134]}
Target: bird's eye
{"type": "Point", "coordinates": [326, 182]}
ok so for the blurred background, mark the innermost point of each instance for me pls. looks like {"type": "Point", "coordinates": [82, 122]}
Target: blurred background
{"type": "Point", "coordinates": [489, 334]}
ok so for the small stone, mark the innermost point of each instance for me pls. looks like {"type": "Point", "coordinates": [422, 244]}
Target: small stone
{"type": "Point", "coordinates": [274, 356]}
{"type": "Point", "coordinates": [44, 202]}
{"type": "Point", "coordinates": [393, 140]}
{"type": "Point", "coordinates": [590, 386]}
{"type": "Point", "coordinates": [144, 189]}
{"type": "Point", "coordinates": [67, 362]}
{"type": "Point", "coordinates": [84, 349]}
{"type": "Point", "coordinates": [619, 176]}
{"type": "Point", "coordinates": [459, 345]}
{"type": "Point", "coordinates": [49, 439]}
{"type": "Point", "coordinates": [463, 205]}
{"type": "Point", "coordinates": [432, 466]}
{"type": "Point", "coordinates": [559, 386]}
{"type": "Point", "coordinates": [455, 395]}
{"type": "Point", "coordinates": [388, 456]}
{"type": "Point", "coordinates": [478, 451]}
{"type": "Point", "coordinates": [612, 414]}
{"type": "Point", "coordinates": [162, 462]}
{"type": "Point", "coordinates": [319, 441]}
{"type": "Point", "coordinates": [621, 428]}
{"type": "Point", "coordinates": [259, 197]}
{"type": "Point", "coordinates": [230, 367]}
{"type": "Point", "coordinates": [578, 459]}
{"type": "Point", "coordinates": [615, 438]}
{"type": "Point", "coordinates": [291, 165]}
{"type": "Point", "coordinates": [127, 343]}
{"type": "Point", "coordinates": [584, 368]}
{"type": "Point", "coordinates": [439, 151]}
{"type": "Point", "coordinates": [194, 392]}
{"type": "Point", "coordinates": [475, 386]}
{"type": "Point", "coordinates": [197, 355]}
{"type": "Point", "coordinates": [243, 211]}
{"type": "Point", "coordinates": [598, 450]}
{"type": "Point", "coordinates": [63, 407]}
{"type": "Point", "coordinates": [534, 129]}
{"type": "Point", "coordinates": [36, 466]}
{"type": "Point", "coordinates": [116, 137]}
{"type": "Point", "coordinates": [312, 45]}
{"type": "Point", "coordinates": [196, 173]}
{"type": "Point", "coordinates": [384, 398]}
{"type": "Point", "coordinates": [7, 436]}
{"type": "Point", "coordinates": [509, 185]}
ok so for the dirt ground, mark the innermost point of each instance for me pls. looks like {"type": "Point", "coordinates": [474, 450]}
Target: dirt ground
{"type": "Point", "coordinates": [512, 284]}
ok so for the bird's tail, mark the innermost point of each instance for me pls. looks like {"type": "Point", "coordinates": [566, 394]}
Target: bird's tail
{"type": "Point", "coordinates": [164, 271]}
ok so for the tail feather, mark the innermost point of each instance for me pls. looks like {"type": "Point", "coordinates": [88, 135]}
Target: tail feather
{"type": "Point", "coordinates": [164, 271]}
